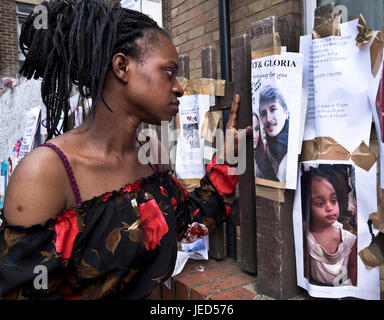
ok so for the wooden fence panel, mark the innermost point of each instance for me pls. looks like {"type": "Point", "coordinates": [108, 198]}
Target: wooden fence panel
{"type": "Point", "coordinates": [242, 79]}
{"type": "Point", "coordinates": [209, 70]}
{"type": "Point", "coordinates": [275, 245]}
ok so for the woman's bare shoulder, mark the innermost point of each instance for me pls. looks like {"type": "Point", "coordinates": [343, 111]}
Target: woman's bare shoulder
{"type": "Point", "coordinates": [37, 189]}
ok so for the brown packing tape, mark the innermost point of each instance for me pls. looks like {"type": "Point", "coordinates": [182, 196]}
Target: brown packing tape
{"type": "Point", "coordinates": [376, 52]}
{"type": "Point", "coordinates": [214, 87]}
{"type": "Point", "coordinates": [270, 183]}
{"type": "Point", "coordinates": [369, 259]}
{"type": "Point", "coordinates": [183, 82]}
{"type": "Point", "coordinates": [373, 255]}
{"type": "Point", "coordinates": [323, 148]}
{"type": "Point", "coordinates": [327, 22]}
{"type": "Point", "coordinates": [363, 157]}
{"type": "Point", "coordinates": [326, 148]}
{"type": "Point", "coordinates": [365, 34]}
{"type": "Point", "coordinates": [266, 45]}
{"type": "Point", "coordinates": [208, 86]}
{"type": "Point", "coordinates": [326, 30]}
{"type": "Point", "coordinates": [270, 193]}
{"type": "Point", "coordinates": [377, 219]}
{"type": "Point", "coordinates": [209, 126]}
{"type": "Point", "coordinates": [190, 184]}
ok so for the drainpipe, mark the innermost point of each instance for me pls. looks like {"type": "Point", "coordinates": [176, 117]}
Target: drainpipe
{"type": "Point", "coordinates": [225, 42]}
{"type": "Point", "coordinates": [226, 74]}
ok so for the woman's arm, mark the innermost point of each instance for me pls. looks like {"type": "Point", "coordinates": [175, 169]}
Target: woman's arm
{"type": "Point", "coordinates": [37, 189]}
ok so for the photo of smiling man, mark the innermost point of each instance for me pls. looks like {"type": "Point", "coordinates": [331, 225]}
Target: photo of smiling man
{"type": "Point", "coordinates": [274, 116]}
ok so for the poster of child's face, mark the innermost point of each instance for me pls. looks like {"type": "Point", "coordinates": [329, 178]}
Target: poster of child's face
{"type": "Point", "coordinates": [191, 134]}
{"type": "Point", "coordinates": [329, 209]}
{"type": "Point", "coordinates": [270, 134]}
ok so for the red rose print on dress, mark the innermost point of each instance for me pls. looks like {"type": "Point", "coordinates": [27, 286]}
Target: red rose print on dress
{"type": "Point", "coordinates": [66, 231]}
{"type": "Point", "coordinates": [153, 223]}
{"type": "Point", "coordinates": [218, 175]}
{"type": "Point", "coordinates": [132, 187]}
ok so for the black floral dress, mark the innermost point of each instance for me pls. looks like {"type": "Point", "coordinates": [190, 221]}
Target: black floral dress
{"type": "Point", "coordinates": [119, 245]}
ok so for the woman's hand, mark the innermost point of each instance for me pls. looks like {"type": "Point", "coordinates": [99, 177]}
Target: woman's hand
{"type": "Point", "coordinates": [232, 133]}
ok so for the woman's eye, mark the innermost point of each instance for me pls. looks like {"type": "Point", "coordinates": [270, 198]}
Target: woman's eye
{"type": "Point", "coordinates": [170, 73]}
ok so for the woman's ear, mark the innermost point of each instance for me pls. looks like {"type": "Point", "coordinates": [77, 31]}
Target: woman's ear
{"type": "Point", "coordinates": [120, 66]}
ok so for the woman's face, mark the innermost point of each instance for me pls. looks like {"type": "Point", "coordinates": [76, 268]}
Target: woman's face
{"type": "Point", "coordinates": [256, 131]}
{"type": "Point", "coordinates": [324, 204]}
{"type": "Point", "coordinates": [152, 87]}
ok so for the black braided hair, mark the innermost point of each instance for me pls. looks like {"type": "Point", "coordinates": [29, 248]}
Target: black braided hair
{"type": "Point", "coordinates": [77, 48]}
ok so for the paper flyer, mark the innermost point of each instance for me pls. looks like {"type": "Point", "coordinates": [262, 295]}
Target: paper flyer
{"type": "Point", "coordinates": [338, 94]}
{"type": "Point", "coordinates": [376, 102]}
{"type": "Point", "coordinates": [277, 117]}
{"type": "Point", "coordinates": [190, 145]}
{"type": "Point", "coordinates": [29, 132]}
{"type": "Point", "coordinates": [333, 213]}
{"type": "Point", "coordinates": [131, 4]}
{"type": "Point", "coordinates": [336, 185]}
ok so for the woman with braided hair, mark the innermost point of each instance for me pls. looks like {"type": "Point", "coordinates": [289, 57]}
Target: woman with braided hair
{"type": "Point", "coordinates": [82, 206]}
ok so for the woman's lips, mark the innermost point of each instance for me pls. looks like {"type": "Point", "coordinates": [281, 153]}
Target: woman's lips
{"type": "Point", "coordinates": [175, 105]}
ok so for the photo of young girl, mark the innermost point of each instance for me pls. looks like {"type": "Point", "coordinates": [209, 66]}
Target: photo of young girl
{"type": "Point", "coordinates": [329, 214]}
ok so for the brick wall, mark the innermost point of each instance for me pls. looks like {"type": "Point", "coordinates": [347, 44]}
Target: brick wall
{"type": "Point", "coordinates": [8, 38]}
{"type": "Point", "coordinates": [195, 24]}
{"type": "Point", "coordinates": [9, 65]}
{"type": "Point", "coordinates": [167, 20]}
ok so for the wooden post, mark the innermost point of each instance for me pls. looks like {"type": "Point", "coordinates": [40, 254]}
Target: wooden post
{"type": "Point", "coordinates": [183, 67]}
{"type": "Point", "coordinates": [276, 268]}
{"type": "Point", "coordinates": [209, 70]}
{"type": "Point", "coordinates": [242, 79]}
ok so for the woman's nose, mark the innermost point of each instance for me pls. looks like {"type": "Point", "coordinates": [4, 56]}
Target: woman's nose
{"type": "Point", "coordinates": [177, 89]}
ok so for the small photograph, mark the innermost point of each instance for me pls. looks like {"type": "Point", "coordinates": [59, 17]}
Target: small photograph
{"type": "Point", "coordinates": [270, 134]}
{"type": "Point", "coordinates": [329, 209]}
{"type": "Point", "coordinates": [191, 135]}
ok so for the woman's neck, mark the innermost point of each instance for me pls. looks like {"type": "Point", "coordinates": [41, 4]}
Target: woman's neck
{"type": "Point", "coordinates": [111, 132]}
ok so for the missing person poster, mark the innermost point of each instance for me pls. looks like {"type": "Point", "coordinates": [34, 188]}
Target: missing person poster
{"type": "Point", "coordinates": [276, 104]}
{"type": "Point", "coordinates": [336, 186]}
{"type": "Point", "coordinates": [330, 214]}
{"type": "Point", "coordinates": [190, 145]}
